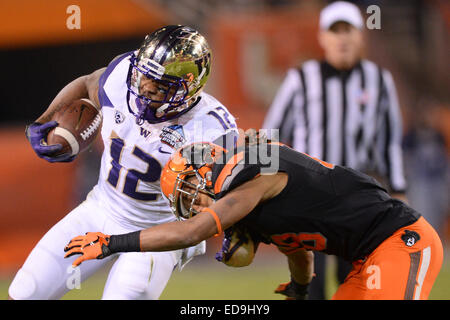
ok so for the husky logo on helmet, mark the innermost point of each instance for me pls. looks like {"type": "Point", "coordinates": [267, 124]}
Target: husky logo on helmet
{"type": "Point", "coordinates": [177, 57]}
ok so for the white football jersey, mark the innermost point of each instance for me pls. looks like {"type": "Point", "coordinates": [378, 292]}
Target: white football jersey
{"type": "Point", "coordinates": [134, 155]}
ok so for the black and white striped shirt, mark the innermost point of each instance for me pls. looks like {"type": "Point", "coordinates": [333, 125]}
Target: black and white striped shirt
{"type": "Point", "coordinates": [349, 118]}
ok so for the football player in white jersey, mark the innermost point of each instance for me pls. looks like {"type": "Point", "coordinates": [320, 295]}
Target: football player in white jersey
{"type": "Point", "coordinates": [152, 103]}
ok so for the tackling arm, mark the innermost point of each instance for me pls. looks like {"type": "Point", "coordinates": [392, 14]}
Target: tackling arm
{"type": "Point", "coordinates": [181, 234]}
{"type": "Point", "coordinates": [229, 210]}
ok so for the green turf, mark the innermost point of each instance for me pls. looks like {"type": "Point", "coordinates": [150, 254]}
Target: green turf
{"type": "Point", "coordinates": [205, 280]}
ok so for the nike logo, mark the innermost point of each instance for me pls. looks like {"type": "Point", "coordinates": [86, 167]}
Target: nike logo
{"type": "Point", "coordinates": [162, 151]}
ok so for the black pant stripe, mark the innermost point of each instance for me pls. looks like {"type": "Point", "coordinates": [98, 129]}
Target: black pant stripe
{"type": "Point", "coordinates": [413, 270]}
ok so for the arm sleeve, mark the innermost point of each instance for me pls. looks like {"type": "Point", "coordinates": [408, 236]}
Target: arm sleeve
{"type": "Point", "coordinates": [285, 107]}
{"type": "Point", "coordinates": [392, 153]}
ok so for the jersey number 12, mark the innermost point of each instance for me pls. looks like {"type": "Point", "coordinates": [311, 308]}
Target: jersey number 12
{"type": "Point", "coordinates": [133, 176]}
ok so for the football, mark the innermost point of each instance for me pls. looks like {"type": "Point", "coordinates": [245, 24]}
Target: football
{"type": "Point", "coordinates": [242, 250]}
{"type": "Point", "coordinates": [78, 125]}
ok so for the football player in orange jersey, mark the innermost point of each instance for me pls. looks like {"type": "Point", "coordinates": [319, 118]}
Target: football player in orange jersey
{"type": "Point", "coordinates": [300, 204]}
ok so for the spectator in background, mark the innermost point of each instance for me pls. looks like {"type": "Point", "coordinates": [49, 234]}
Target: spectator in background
{"type": "Point", "coordinates": [427, 168]}
{"type": "Point", "coordinates": [344, 110]}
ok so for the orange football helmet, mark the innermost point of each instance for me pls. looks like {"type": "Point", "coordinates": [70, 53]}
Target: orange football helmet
{"type": "Point", "coordinates": [196, 160]}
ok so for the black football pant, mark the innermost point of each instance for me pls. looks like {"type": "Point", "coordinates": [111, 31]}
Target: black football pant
{"type": "Point", "coordinates": [317, 286]}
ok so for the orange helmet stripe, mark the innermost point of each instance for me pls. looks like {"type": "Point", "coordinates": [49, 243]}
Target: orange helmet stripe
{"type": "Point", "coordinates": [226, 171]}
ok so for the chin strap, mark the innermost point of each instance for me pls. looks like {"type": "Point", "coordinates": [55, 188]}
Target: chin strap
{"type": "Point", "coordinates": [142, 110]}
{"type": "Point", "coordinates": [140, 117]}
{"type": "Point", "coordinates": [139, 120]}
{"type": "Point", "coordinates": [160, 111]}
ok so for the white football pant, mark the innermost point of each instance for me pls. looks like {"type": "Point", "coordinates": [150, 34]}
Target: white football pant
{"type": "Point", "coordinates": [134, 275]}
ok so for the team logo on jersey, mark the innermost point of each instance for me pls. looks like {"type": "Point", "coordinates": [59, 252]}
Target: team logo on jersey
{"type": "Point", "coordinates": [119, 117]}
{"type": "Point", "coordinates": [145, 133]}
{"type": "Point", "coordinates": [410, 238]}
{"type": "Point", "coordinates": [173, 136]}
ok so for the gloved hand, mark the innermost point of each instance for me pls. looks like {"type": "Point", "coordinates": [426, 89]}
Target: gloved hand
{"type": "Point", "coordinates": [93, 245]}
{"type": "Point", "coordinates": [37, 135]}
{"type": "Point", "coordinates": [293, 291]}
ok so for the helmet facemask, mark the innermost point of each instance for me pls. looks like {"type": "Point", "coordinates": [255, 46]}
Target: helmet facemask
{"type": "Point", "coordinates": [193, 161]}
{"type": "Point", "coordinates": [186, 193]}
{"type": "Point", "coordinates": [175, 92]}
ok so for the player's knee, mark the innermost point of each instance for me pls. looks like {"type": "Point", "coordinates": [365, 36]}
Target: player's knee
{"type": "Point", "coordinates": [41, 277]}
{"type": "Point", "coordinates": [23, 287]}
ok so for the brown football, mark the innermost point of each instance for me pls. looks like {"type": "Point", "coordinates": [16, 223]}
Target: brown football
{"type": "Point", "coordinates": [78, 125]}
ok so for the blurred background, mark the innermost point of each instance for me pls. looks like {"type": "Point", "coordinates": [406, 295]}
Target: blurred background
{"type": "Point", "coordinates": [254, 42]}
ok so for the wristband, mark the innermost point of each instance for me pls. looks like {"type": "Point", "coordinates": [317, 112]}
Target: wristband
{"type": "Point", "coordinates": [299, 289]}
{"type": "Point", "coordinates": [216, 219]}
{"type": "Point", "coordinates": [129, 242]}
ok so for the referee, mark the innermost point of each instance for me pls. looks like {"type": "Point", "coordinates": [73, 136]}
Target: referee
{"type": "Point", "coordinates": [344, 110]}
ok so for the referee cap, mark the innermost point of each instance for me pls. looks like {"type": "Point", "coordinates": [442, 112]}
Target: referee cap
{"type": "Point", "coordinates": [340, 11]}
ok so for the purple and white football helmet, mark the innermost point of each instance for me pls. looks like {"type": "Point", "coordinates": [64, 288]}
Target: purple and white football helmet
{"type": "Point", "coordinates": [179, 58]}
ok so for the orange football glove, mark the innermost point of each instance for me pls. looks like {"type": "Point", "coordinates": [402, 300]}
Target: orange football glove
{"type": "Point", "coordinates": [93, 245]}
